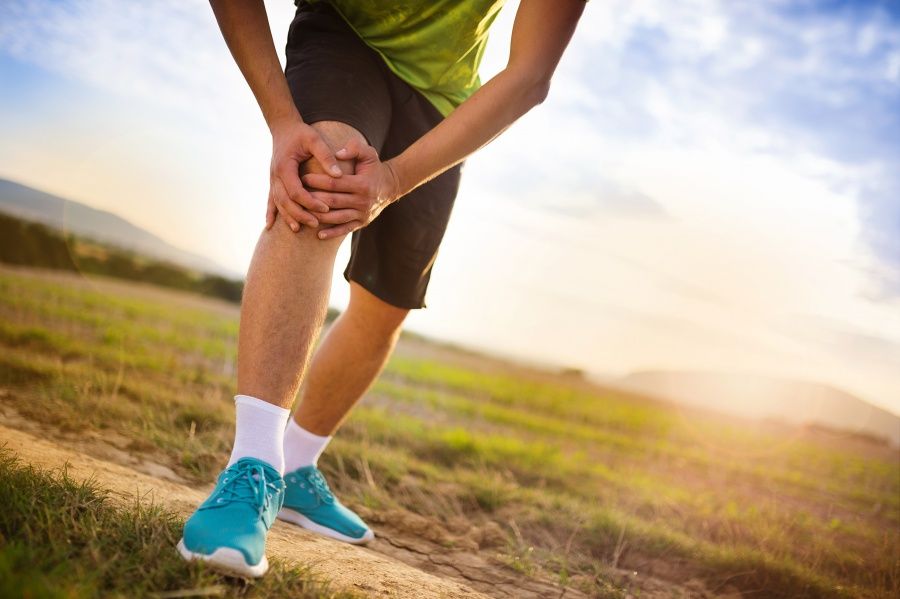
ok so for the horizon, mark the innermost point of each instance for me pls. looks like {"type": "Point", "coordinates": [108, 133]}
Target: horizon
{"type": "Point", "coordinates": [690, 162]}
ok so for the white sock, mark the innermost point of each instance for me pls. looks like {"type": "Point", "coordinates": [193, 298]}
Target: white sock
{"type": "Point", "coordinates": [301, 447]}
{"type": "Point", "coordinates": [259, 431]}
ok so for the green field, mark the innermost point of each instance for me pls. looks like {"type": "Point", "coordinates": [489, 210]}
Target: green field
{"type": "Point", "coordinates": [583, 484]}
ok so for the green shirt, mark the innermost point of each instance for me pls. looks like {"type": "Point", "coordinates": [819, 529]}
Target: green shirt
{"type": "Point", "coordinates": [434, 45]}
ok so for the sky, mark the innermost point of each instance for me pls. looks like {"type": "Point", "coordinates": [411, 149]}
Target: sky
{"type": "Point", "coordinates": [711, 185]}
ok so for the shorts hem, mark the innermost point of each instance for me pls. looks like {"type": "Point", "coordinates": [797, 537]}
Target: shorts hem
{"type": "Point", "coordinates": [379, 293]}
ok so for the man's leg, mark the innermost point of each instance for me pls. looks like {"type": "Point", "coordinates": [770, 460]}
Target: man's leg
{"type": "Point", "coordinates": [286, 298]}
{"type": "Point", "coordinates": [349, 359]}
{"type": "Point", "coordinates": [346, 363]}
{"type": "Point", "coordinates": [343, 368]}
{"type": "Point", "coordinates": [282, 310]}
{"type": "Point", "coordinates": [284, 304]}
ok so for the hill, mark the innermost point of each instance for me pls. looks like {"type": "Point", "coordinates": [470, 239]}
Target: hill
{"type": "Point", "coordinates": [27, 243]}
{"type": "Point", "coordinates": [795, 402]}
{"type": "Point", "coordinates": [74, 217]}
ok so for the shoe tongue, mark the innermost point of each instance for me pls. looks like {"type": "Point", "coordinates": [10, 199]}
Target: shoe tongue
{"type": "Point", "coordinates": [253, 462]}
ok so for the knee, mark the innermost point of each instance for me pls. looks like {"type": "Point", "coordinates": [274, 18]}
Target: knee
{"type": "Point", "coordinates": [336, 135]}
{"type": "Point", "coordinates": [302, 247]}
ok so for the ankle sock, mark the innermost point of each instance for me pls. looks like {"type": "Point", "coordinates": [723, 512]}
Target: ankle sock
{"type": "Point", "coordinates": [259, 431]}
{"type": "Point", "coordinates": [301, 447]}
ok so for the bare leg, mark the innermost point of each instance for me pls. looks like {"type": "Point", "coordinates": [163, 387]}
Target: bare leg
{"type": "Point", "coordinates": [349, 359]}
{"type": "Point", "coordinates": [285, 300]}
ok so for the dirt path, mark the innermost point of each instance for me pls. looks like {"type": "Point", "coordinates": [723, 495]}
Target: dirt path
{"type": "Point", "coordinates": [412, 556]}
{"type": "Point", "coordinates": [393, 566]}
{"type": "Point", "coordinates": [346, 566]}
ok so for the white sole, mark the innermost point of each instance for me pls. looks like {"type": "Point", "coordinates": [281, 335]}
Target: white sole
{"type": "Point", "coordinates": [228, 560]}
{"type": "Point", "coordinates": [289, 515]}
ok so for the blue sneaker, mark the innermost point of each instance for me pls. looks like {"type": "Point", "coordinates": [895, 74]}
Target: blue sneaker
{"type": "Point", "coordinates": [308, 502]}
{"type": "Point", "coordinates": [229, 529]}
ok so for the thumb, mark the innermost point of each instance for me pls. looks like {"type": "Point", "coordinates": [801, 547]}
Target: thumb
{"type": "Point", "coordinates": [322, 152]}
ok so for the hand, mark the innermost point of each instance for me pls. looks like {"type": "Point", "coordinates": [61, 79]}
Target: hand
{"type": "Point", "coordinates": [354, 200]}
{"type": "Point", "coordinates": [292, 144]}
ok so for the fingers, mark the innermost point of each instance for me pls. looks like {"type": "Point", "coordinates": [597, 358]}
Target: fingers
{"type": "Point", "coordinates": [289, 220]}
{"type": "Point", "coordinates": [336, 201]}
{"type": "Point", "coordinates": [346, 184]}
{"type": "Point", "coordinates": [340, 217]}
{"type": "Point", "coordinates": [291, 211]}
{"type": "Point", "coordinates": [322, 152]}
{"type": "Point", "coordinates": [290, 180]}
{"type": "Point", "coordinates": [339, 230]}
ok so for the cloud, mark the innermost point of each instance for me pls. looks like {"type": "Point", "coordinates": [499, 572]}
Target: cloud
{"type": "Point", "coordinates": [157, 50]}
{"type": "Point", "coordinates": [794, 80]}
{"type": "Point", "coordinates": [165, 53]}
{"type": "Point", "coordinates": [611, 198]}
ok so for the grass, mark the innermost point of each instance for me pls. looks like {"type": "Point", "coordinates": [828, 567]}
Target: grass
{"type": "Point", "coordinates": [61, 538]}
{"type": "Point", "coordinates": [577, 483]}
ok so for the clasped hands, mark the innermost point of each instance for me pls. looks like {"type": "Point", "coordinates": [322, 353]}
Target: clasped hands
{"type": "Point", "coordinates": [335, 203]}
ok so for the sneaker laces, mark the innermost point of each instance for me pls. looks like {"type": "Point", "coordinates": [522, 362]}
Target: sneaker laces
{"type": "Point", "coordinates": [249, 485]}
{"type": "Point", "coordinates": [320, 486]}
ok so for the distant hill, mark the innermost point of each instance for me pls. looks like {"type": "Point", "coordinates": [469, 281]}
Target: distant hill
{"type": "Point", "coordinates": [763, 397]}
{"type": "Point", "coordinates": [73, 217]}
{"type": "Point", "coordinates": [36, 245]}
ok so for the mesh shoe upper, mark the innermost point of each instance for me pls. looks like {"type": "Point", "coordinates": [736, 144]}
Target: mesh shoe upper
{"type": "Point", "coordinates": [239, 512]}
{"type": "Point", "coordinates": [307, 492]}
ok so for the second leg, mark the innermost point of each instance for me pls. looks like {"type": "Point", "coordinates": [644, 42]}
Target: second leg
{"type": "Point", "coordinates": [348, 361]}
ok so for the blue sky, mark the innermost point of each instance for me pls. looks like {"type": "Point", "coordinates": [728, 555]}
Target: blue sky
{"type": "Point", "coordinates": [711, 185]}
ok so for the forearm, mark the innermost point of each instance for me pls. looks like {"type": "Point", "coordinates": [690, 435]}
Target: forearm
{"type": "Point", "coordinates": [478, 120]}
{"type": "Point", "coordinates": [245, 28]}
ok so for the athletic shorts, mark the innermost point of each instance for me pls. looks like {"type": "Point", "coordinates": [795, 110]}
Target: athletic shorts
{"type": "Point", "coordinates": [334, 76]}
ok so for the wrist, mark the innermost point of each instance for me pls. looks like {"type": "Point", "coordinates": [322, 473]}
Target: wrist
{"type": "Point", "coordinates": [282, 120]}
{"type": "Point", "coordinates": [399, 174]}
{"type": "Point", "coordinates": [394, 193]}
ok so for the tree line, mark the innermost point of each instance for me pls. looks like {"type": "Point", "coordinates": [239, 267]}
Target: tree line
{"type": "Point", "coordinates": [28, 243]}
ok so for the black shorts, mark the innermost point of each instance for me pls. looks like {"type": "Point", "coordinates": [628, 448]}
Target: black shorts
{"type": "Point", "coordinates": [334, 76]}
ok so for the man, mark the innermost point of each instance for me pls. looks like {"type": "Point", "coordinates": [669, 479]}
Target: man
{"type": "Point", "coordinates": [379, 104]}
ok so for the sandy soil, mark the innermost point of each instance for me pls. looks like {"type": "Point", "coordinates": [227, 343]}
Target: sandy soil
{"type": "Point", "coordinates": [346, 566]}
{"type": "Point", "coordinates": [409, 557]}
